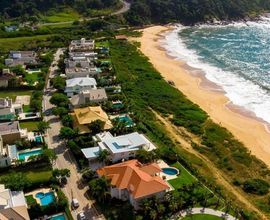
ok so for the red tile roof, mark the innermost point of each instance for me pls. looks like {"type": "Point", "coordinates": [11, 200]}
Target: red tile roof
{"type": "Point", "coordinates": [138, 179]}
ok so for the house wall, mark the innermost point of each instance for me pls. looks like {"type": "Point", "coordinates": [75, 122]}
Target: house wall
{"type": "Point", "coordinates": [3, 83]}
{"type": "Point", "coordinates": [71, 75]}
{"type": "Point", "coordinates": [121, 156]}
{"type": "Point", "coordinates": [136, 202]}
{"type": "Point", "coordinates": [70, 91]}
{"type": "Point", "coordinates": [5, 161]}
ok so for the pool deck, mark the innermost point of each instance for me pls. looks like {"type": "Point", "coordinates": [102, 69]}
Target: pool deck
{"type": "Point", "coordinates": [43, 190]}
{"type": "Point", "coordinates": [162, 164]}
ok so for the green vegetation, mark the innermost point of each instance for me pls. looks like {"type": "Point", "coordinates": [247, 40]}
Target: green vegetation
{"type": "Point", "coordinates": [31, 201]}
{"type": "Point", "coordinates": [184, 178]}
{"type": "Point", "coordinates": [202, 217]}
{"type": "Point", "coordinates": [140, 83]}
{"type": "Point", "coordinates": [66, 14]}
{"type": "Point", "coordinates": [147, 11]}
{"type": "Point", "coordinates": [14, 93]}
{"type": "Point", "coordinates": [32, 78]}
{"type": "Point", "coordinates": [41, 176]}
{"type": "Point", "coordinates": [29, 125]}
{"type": "Point", "coordinates": [17, 43]}
{"type": "Point", "coordinates": [256, 186]}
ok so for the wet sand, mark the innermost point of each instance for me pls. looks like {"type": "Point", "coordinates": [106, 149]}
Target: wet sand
{"type": "Point", "coordinates": [244, 125]}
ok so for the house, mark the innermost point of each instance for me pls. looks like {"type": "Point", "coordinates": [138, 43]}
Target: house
{"type": "Point", "coordinates": [5, 77]}
{"type": "Point", "coordinates": [5, 160]}
{"type": "Point", "coordinates": [89, 97]}
{"type": "Point", "coordinates": [21, 58]}
{"type": "Point", "coordinates": [12, 205]}
{"type": "Point", "coordinates": [77, 85]}
{"type": "Point", "coordinates": [85, 116]}
{"type": "Point", "coordinates": [74, 72]}
{"type": "Point", "coordinates": [83, 55]}
{"type": "Point", "coordinates": [82, 62]}
{"type": "Point", "coordinates": [121, 37]}
{"type": "Point", "coordinates": [132, 181]}
{"type": "Point", "coordinates": [10, 132]}
{"type": "Point", "coordinates": [8, 110]}
{"type": "Point", "coordinates": [82, 45]}
{"type": "Point", "coordinates": [120, 148]}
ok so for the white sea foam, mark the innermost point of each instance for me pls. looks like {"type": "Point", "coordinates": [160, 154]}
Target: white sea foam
{"type": "Point", "coordinates": [240, 91]}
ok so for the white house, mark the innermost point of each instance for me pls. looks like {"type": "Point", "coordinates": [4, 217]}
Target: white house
{"type": "Point", "coordinates": [88, 97]}
{"type": "Point", "coordinates": [119, 147]}
{"type": "Point", "coordinates": [8, 109]}
{"type": "Point", "coordinates": [82, 45]}
{"type": "Point", "coordinates": [12, 205]}
{"type": "Point", "coordinates": [77, 85]}
{"type": "Point", "coordinates": [74, 72]}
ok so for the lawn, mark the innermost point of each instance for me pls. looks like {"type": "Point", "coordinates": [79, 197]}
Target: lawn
{"type": "Point", "coordinates": [31, 201]}
{"type": "Point", "coordinates": [17, 43]}
{"type": "Point", "coordinates": [185, 178]}
{"type": "Point", "coordinates": [30, 125]}
{"type": "Point", "coordinates": [102, 43]}
{"type": "Point", "coordinates": [67, 14]}
{"type": "Point", "coordinates": [15, 93]}
{"type": "Point", "coordinates": [31, 78]}
{"type": "Point", "coordinates": [39, 176]}
{"type": "Point", "coordinates": [202, 217]}
{"type": "Point", "coordinates": [26, 108]}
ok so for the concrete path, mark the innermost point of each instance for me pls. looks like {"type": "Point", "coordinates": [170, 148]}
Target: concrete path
{"type": "Point", "coordinates": [193, 211]}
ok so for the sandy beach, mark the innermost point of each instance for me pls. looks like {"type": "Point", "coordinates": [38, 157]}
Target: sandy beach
{"type": "Point", "coordinates": [244, 126]}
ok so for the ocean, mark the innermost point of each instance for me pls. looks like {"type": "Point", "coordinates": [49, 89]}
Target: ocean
{"type": "Point", "coordinates": [236, 57]}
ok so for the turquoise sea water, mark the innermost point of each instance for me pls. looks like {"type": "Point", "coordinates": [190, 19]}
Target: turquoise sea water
{"type": "Point", "coordinates": [235, 57]}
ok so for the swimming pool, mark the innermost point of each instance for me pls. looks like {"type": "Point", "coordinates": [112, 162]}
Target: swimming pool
{"type": "Point", "coordinates": [171, 171]}
{"type": "Point", "coordinates": [23, 155]}
{"type": "Point", "coordinates": [38, 139]}
{"type": "Point", "coordinates": [118, 105]}
{"type": "Point", "coordinates": [58, 217]}
{"type": "Point", "coordinates": [126, 119]}
{"type": "Point", "coordinates": [45, 198]}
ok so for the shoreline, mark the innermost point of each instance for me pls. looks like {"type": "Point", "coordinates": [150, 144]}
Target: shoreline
{"type": "Point", "coordinates": [244, 125]}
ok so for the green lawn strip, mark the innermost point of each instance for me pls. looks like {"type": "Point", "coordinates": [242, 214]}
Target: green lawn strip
{"type": "Point", "coordinates": [202, 217]}
{"type": "Point", "coordinates": [26, 108]}
{"type": "Point", "coordinates": [67, 14]}
{"type": "Point", "coordinates": [184, 178]}
{"type": "Point", "coordinates": [68, 214]}
{"type": "Point", "coordinates": [102, 44]}
{"type": "Point", "coordinates": [17, 43]}
{"type": "Point", "coordinates": [15, 93]}
{"type": "Point", "coordinates": [30, 125]}
{"type": "Point", "coordinates": [39, 176]}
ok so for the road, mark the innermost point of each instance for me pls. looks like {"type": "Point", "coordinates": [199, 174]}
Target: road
{"type": "Point", "coordinates": [74, 187]}
{"type": "Point", "coordinates": [124, 9]}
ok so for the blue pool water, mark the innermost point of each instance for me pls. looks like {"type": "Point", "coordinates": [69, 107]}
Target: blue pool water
{"type": "Point", "coordinates": [58, 217]}
{"type": "Point", "coordinates": [170, 171]}
{"type": "Point", "coordinates": [127, 120]}
{"type": "Point", "coordinates": [45, 198]}
{"type": "Point", "coordinates": [24, 155]}
{"type": "Point", "coordinates": [38, 139]}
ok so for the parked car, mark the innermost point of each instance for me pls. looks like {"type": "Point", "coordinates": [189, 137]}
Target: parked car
{"type": "Point", "coordinates": [81, 216]}
{"type": "Point", "coordinates": [75, 203]}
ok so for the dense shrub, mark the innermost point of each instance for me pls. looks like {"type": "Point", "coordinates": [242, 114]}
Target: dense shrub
{"type": "Point", "coordinates": [256, 186]}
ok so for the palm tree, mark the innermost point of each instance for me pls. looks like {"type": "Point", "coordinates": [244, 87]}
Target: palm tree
{"type": "Point", "coordinates": [43, 126]}
{"type": "Point", "coordinates": [103, 156]}
{"type": "Point", "coordinates": [100, 189]}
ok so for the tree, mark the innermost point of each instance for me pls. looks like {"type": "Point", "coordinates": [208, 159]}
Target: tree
{"type": "Point", "coordinates": [60, 100]}
{"type": "Point", "coordinates": [88, 175]}
{"type": "Point", "coordinates": [100, 189]}
{"type": "Point", "coordinates": [15, 181]}
{"type": "Point", "coordinates": [61, 174]}
{"type": "Point", "coordinates": [67, 121]}
{"type": "Point", "coordinates": [67, 133]}
{"type": "Point", "coordinates": [18, 70]}
{"type": "Point", "coordinates": [103, 156]}
{"type": "Point", "coordinates": [50, 155]}
{"type": "Point", "coordinates": [60, 111]}
{"type": "Point", "coordinates": [58, 83]}
{"type": "Point", "coordinates": [43, 126]}
{"type": "Point", "coordinates": [256, 186]}
{"type": "Point", "coordinates": [96, 126]}
{"type": "Point", "coordinates": [146, 156]}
